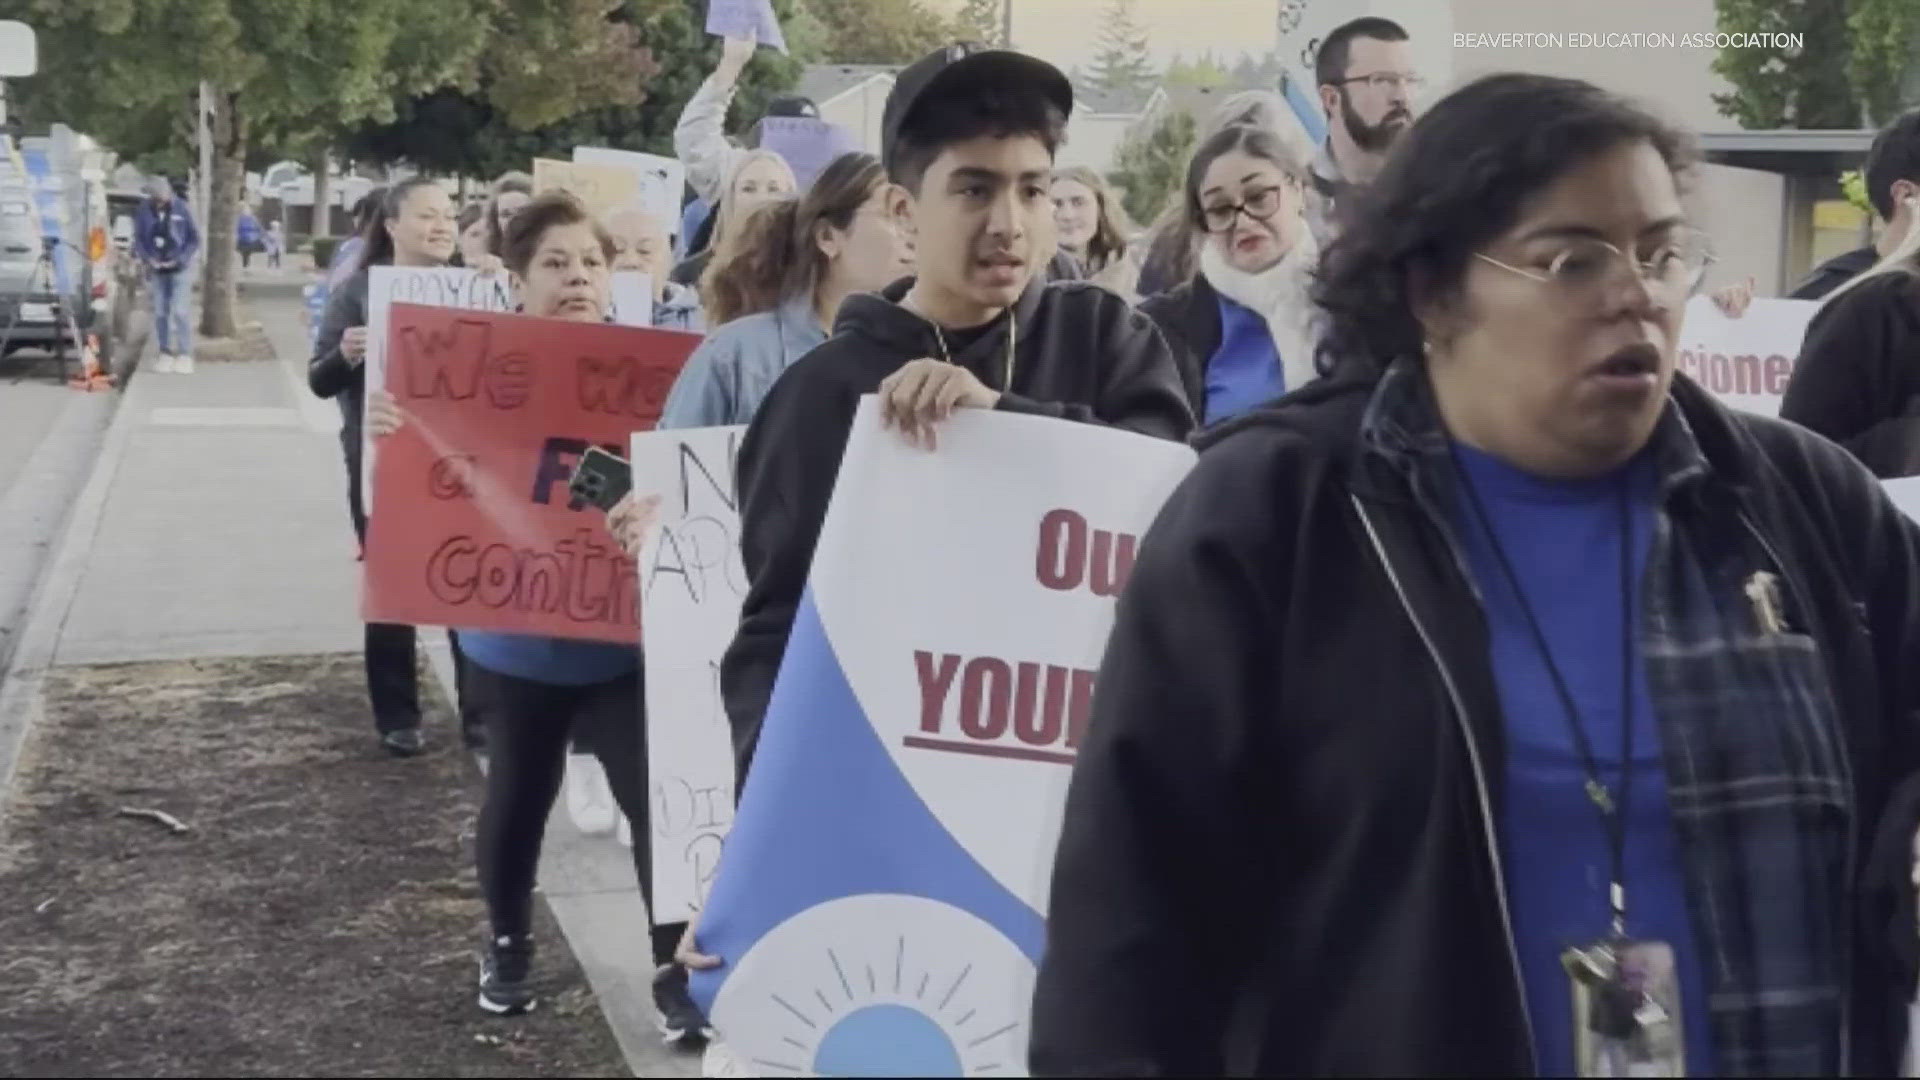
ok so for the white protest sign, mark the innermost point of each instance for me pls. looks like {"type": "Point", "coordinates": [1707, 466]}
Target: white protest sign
{"type": "Point", "coordinates": [439, 286]}
{"type": "Point", "coordinates": [691, 586]}
{"type": "Point", "coordinates": [1745, 362]}
{"type": "Point", "coordinates": [895, 841]}
{"type": "Point", "coordinates": [662, 179]}
{"type": "Point", "coordinates": [633, 298]}
{"type": "Point", "coordinates": [1906, 495]}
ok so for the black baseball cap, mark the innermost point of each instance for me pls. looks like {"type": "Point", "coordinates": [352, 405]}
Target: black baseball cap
{"type": "Point", "coordinates": [961, 69]}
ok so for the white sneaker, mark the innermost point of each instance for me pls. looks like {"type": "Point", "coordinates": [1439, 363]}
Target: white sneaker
{"type": "Point", "coordinates": [589, 798]}
{"type": "Point", "coordinates": [624, 833]}
{"type": "Point", "coordinates": [183, 364]}
{"type": "Point", "coordinates": [163, 364]}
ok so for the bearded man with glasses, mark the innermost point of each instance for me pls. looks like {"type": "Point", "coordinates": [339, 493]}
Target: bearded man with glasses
{"type": "Point", "coordinates": [1367, 89]}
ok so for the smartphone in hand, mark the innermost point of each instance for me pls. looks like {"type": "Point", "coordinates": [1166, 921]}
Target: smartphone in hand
{"type": "Point", "coordinates": [601, 479]}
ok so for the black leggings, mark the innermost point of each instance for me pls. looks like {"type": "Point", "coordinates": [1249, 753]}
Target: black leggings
{"type": "Point", "coordinates": [528, 728]}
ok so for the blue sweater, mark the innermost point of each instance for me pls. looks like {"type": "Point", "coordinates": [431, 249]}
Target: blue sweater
{"type": "Point", "coordinates": [1563, 540]}
{"type": "Point", "coordinates": [1245, 370]}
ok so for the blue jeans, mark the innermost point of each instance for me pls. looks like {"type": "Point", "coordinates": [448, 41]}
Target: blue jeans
{"type": "Point", "coordinates": [172, 310]}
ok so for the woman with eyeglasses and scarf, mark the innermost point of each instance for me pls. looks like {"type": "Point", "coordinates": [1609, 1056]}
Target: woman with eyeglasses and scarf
{"type": "Point", "coordinates": [1500, 704]}
{"type": "Point", "coordinates": [1242, 326]}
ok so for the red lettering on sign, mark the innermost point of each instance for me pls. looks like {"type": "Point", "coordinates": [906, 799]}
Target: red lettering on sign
{"type": "Point", "coordinates": [1062, 563]}
{"type": "Point", "coordinates": [1043, 707]}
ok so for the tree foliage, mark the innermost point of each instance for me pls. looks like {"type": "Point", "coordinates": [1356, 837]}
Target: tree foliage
{"type": "Point", "coordinates": [1122, 67]}
{"type": "Point", "coordinates": [981, 20]}
{"type": "Point", "coordinates": [1203, 73]}
{"type": "Point", "coordinates": [1885, 60]}
{"type": "Point", "coordinates": [879, 31]}
{"type": "Point", "coordinates": [1806, 87]}
{"type": "Point", "coordinates": [466, 132]}
{"type": "Point", "coordinates": [1150, 170]}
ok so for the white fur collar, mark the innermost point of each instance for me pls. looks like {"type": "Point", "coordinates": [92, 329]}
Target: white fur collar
{"type": "Point", "coordinates": [1280, 295]}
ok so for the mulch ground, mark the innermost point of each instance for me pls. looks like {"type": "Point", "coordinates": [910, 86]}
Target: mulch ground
{"type": "Point", "coordinates": [319, 919]}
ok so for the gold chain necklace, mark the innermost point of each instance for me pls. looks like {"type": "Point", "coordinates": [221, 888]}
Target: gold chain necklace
{"type": "Point", "coordinates": [946, 354]}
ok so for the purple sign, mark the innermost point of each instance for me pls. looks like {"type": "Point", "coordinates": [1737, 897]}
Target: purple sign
{"type": "Point", "coordinates": [809, 145]}
{"type": "Point", "coordinates": [746, 19]}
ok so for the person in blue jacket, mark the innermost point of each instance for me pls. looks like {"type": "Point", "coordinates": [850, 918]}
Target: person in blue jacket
{"type": "Point", "coordinates": [165, 241]}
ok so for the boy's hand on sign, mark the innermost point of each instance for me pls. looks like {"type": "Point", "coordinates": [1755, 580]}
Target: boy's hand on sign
{"type": "Point", "coordinates": [383, 414]}
{"type": "Point", "coordinates": [353, 344]}
{"type": "Point", "coordinates": [924, 393]}
{"type": "Point", "coordinates": [735, 54]}
{"type": "Point", "coordinates": [631, 520]}
{"type": "Point", "coordinates": [688, 954]}
{"type": "Point", "coordinates": [1732, 300]}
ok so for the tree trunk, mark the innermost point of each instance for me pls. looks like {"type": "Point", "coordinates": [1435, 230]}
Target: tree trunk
{"type": "Point", "coordinates": [227, 187]}
{"type": "Point", "coordinates": [322, 198]}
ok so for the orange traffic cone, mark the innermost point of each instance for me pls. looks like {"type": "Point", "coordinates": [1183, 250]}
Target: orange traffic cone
{"type": "Point", "coordinates": [91, 377]}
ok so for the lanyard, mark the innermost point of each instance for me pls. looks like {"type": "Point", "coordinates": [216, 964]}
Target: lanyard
{"type": "Point", "coordinates": [1611, 806]}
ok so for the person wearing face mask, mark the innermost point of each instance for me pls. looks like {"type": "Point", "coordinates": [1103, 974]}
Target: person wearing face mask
{"type": "Point", "coordinates": [1094, 229]}
{"type": "Point", "coordinates": [759, 177]}
{"type": "Point", "coordinates": [413, 225]}
{"type": "Point", "coordinates": [1856, 380]}
{"type": "Point", "coordinates": [641, 245]}
{"type": "Point", "coordinates": [1500, 704]}
{"type": "Point", "coordinates": [1367, 86]}
{"type": "Point", "coordinates": [543, 689]}
{"type": "Point", "coordinates": [1243, 326]}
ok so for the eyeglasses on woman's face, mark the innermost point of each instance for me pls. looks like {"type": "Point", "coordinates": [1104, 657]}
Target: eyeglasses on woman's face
{"type": "Point", "coordinates": [1259, 204]}
{"type": "Point", "coordinates": [1585, 267]}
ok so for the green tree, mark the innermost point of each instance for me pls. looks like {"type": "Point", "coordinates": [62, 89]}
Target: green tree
{"type": "Point", "coordinates": [879, 31]}
{"type": "Point", "coordinates": [1122, 67]}
{"type": "Point", "coordinates": [1149, 170]}
{"type": "Point", "coordinates": [1806, 87]}
{"type": "Point", "coordinates": [980, 20]}
{"type": "Point", "coordinates": [1886, 55]}
{"type": "Point", "coordinates": [464, 132]}
{"type": "Point", "coordinates": [1205, 73]}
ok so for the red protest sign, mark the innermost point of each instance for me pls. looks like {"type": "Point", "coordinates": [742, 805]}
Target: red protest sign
{"type": "Point", "coordinates": [473, 526]}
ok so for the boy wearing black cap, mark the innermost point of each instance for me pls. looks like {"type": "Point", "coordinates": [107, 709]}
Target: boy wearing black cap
{"type": "Point", "coordinates": [968, 140]}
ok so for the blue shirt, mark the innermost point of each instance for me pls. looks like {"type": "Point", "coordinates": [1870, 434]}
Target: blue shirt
{"type": "Point", "coordinates": [1245, 370]}
{"type": "Point", "coordinates": [1563, 540]}
{"type": "Point", "coordinates": [556, 661]}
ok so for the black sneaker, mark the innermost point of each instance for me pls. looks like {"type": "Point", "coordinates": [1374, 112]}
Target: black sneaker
{"type": "Point", "coordinates": [405, 742]}
{"type": "Point", "coordinates": [680, 1021]}
{"type": "Point", "coordinates": [506, 969]}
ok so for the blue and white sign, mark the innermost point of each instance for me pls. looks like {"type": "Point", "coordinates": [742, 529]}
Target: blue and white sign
{"type": "Point", "coordinates": [879, 899]}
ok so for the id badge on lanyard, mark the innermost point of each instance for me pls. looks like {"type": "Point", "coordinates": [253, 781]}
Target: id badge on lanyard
{"type": "Point", "coordinates": [1626, 1009]}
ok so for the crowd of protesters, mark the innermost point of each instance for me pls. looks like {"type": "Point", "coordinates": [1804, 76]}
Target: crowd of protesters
{"type": "Point", "coordinates": [1430, 365]}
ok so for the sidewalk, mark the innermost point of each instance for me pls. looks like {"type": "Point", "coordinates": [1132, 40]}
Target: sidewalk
{"type": "Point", "coordinates": [215, 525]}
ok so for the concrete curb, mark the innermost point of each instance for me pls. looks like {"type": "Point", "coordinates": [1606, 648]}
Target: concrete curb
{"type": "Point", "coordinates": [39, 639]}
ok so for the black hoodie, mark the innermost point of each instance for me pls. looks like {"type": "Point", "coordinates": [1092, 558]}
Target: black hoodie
{"type": "Point", "coordinates": [1081, 353]}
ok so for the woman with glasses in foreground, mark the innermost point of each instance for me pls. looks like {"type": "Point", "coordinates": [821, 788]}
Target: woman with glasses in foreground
{"type": "Point", "coordinates": [1500, 704]}
{"type": "Point", "coordinates": [1241, 326]}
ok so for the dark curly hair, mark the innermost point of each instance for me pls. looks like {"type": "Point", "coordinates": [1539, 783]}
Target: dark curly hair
{"type": "Point", "coordinates": [1454, 182]}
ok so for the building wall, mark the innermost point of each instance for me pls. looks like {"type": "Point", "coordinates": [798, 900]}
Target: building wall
{"type": "Point", "coordinates": [1094, 140]}
{"type": "Point", "coordinates": [1741, 208]}
{"type": "Point", "coordinates": [860, 112]}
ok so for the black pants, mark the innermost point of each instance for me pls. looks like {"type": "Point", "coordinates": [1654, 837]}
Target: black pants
{"type": "Point", "coordinates": [393, 683]}
{"type": "Point", "coordinates": [528, 727]}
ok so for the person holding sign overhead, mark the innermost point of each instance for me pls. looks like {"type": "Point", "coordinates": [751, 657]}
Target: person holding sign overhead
{"type": "Point", "coordinates": [969, 143]}
{"type": "Point", "coordinates": [412, 225]}
{"type": "Point", "coordinates": [728, 178]}
{"type": "Point", "coordinates": [1500, 704]}
{"type": "Point", "coordinates": [779, 286]}
{"type": "Point", "coordinates": [541, 690]}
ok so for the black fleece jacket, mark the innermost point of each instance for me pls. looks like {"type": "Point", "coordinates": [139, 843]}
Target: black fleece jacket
{"type": "Point", "coordinates": [1858, 377]}
{"type": "Point", "coordinates": [1274, 859]}
{"type": "Point", "coordinates": [1080, 354]}
{"type": "Point", "coordinates": [329, 373]}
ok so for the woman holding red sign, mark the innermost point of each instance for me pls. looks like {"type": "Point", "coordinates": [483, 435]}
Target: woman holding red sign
{"type": "Point", "coordinates": [541, 691]}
